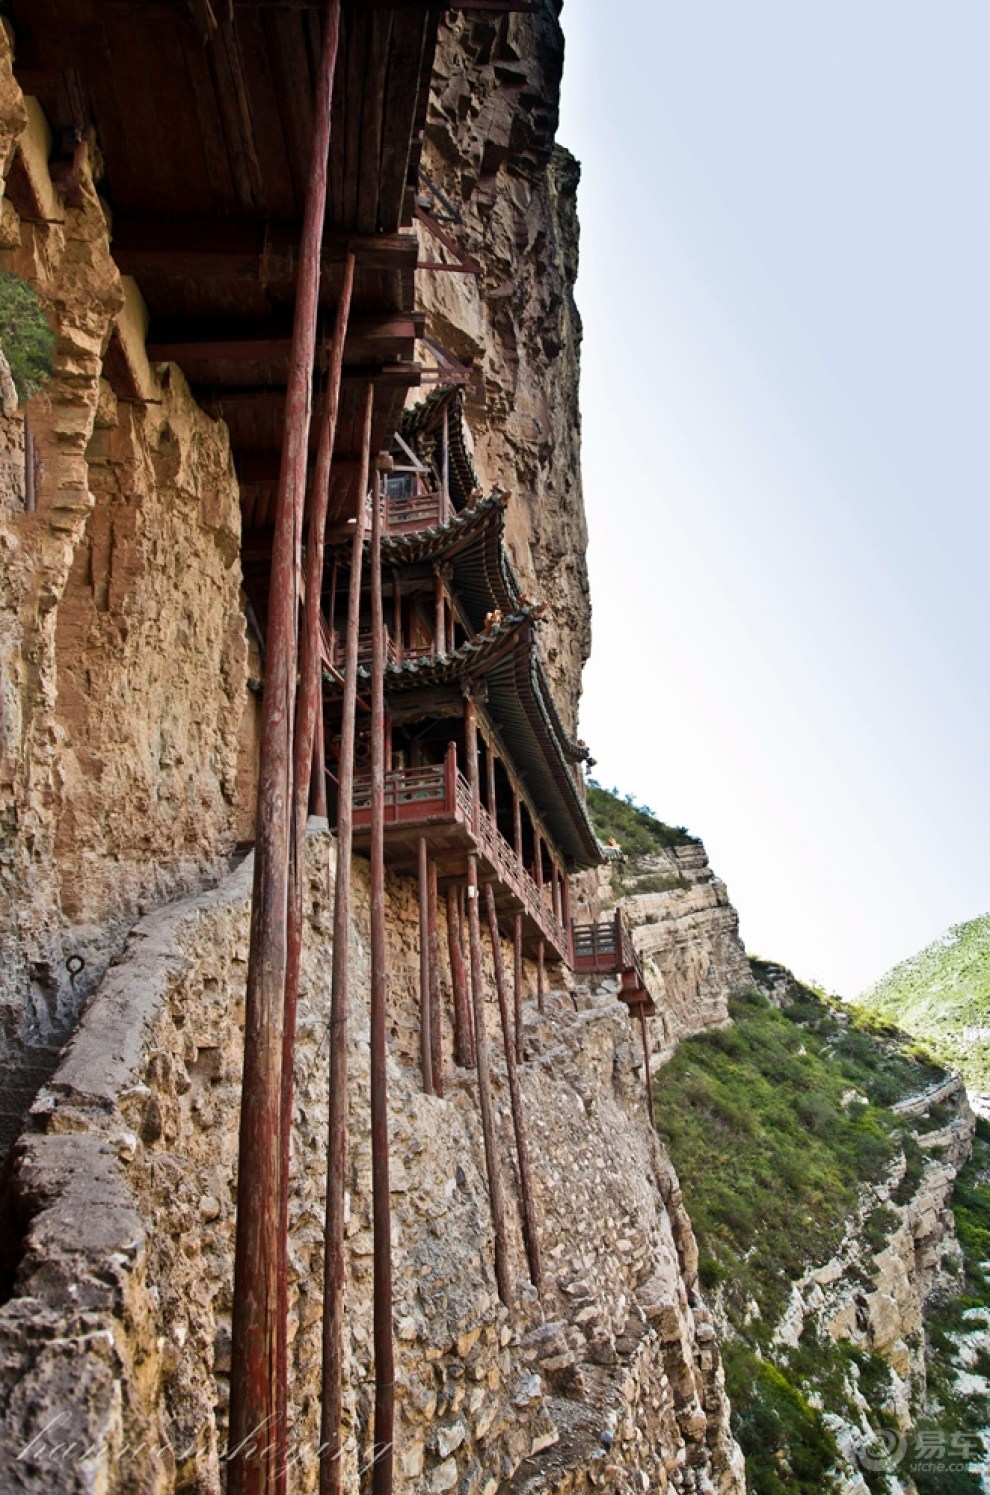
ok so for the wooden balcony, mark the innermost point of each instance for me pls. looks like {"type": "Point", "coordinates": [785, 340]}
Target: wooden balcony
{"type": "Point", "coordinates": [436, 802]}
{"type": "Point", "coordinates": [607, 948]}
{"type": "Point", "coordinates": [410, 515]}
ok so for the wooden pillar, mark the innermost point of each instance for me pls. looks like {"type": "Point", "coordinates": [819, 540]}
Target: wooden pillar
{"type": "Point", "coordinates": [439, 613]}
{"type": "Point", "coordinates": [446, 463]}
{"type": "Point", "coordinates": [540, 974]}
{"type": "Point", "coordinates": [555, 890]}
{"type": "Point", "coordinates": [530, 1231]}
{"type": "Point", "coordinates": [646, 1061]}
{"type": "Point", "coordinates": [333, 1230]}
{"type": "Point", "coordinates": [491, 781]}
{"type": "Point", "coordinates": [517, 976]}
{"type": "Point", "coordinates": [319, 792]}
{"type": "Point", "coordinates": [254, 1393]}
{"type": "Point", "coordinates": [381, 1479]}
{"type": "Point", "coordinates": [397, 616]}
{"type": "Point", "coordinates": [484, 1084]}
{"type": "Point", "coordinates": [538, 852]}
{"type": "Point", "coordinates": [471, 754]}
{"type": "Point", "coordinates": [433, 935]}
{"type": "Point", "coordinates": [308, 771]}
{"type": "Point", "coordinates": [463, 1047]}
{"type": "Point", "coordinates": [517, 824]}
{"type": "Point", "coordinates": [425, 983]}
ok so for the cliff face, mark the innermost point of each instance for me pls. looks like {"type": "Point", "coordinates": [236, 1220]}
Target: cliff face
{"type": "Point", "coordinates": [127, 753]}
{"type": "Point", "coordinates": [490, 149]}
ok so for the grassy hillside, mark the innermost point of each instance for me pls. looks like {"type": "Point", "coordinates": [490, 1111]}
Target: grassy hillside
{"type": "Point", "coordinates": [943, 996]}
{"type": "Point", "coordinates": [634, 827]}
{"type": "Point", "coordinates": [775, 1125]}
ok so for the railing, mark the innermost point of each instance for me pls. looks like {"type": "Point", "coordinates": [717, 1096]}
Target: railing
{"type": "Point", "coordinates": [440, 790]}
{"type": "Point", "coordinates": [407, 516]}
{"type": "Point", "coordinates": [512, 872]}
{"type": "Point", "coordinates": [365, 647]}
{"type": "Point", "coordinates": [407, 792]}
{"type": "Point", "coordinates": [607, 946]}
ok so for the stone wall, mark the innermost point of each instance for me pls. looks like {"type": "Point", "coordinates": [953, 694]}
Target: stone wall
{"type": "Point", "coordinates": [124, 714]}
{"type": "Point", "coordinates": [114, 1344]}
{"type": "Point", "coordinates": [490, 148]}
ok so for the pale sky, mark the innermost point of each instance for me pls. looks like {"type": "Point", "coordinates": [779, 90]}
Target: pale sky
{"type": "Point", "coordinates": [785, 286]}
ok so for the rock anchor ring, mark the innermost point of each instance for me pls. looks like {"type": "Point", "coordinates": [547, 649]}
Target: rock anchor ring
{"type": "Point", "coordinates": [74, 965]}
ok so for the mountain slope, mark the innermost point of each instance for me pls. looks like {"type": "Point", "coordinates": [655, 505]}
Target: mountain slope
{"type": "Point", "coordinates": [942, 995]}
{"type": "Point", "coordinates": [817, 1152]}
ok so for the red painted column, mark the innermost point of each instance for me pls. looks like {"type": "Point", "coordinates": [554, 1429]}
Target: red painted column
{"type": "Point", "coordinates": [256, 1440]}
{"type": "Point", "coordinates": [333, 1230]}
{"type": "Point", "coordinates": [381, 1478]}
{"type": "Point", "coordinates": [425, 1045]}
{"type": "Point", "coordinates": [483, 1066]}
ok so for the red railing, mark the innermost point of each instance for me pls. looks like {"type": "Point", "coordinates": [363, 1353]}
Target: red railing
{"type": "Point", "coordinates": [407, 516]}
{"type": "Point", "coordinates": [607, 946]}
{"type": "Point", "coordinates": [440, 792]}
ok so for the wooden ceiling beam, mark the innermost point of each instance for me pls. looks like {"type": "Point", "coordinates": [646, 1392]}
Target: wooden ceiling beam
{"type": "Point", "coordinates": [386, 376]}
{"type": "Point", "coordinates": [369, 336]}
{"type": "Point", "coordinates": [205, 250]}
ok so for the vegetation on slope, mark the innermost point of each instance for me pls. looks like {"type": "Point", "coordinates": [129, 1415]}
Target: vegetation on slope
{"type": "Point", "coordinates": [27, 340]}
{"type": "Point", "coordinates": [943, 995]}
{"type": "Point", "coordinates": [619, 818]}
{"type": "Point", "coordinates": [774, 1126]}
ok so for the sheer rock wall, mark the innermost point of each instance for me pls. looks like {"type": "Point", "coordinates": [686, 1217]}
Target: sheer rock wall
{"type": "Point", "coordinates": [490, 148]}
{"type": "Point", "coordinates": [123, 708]}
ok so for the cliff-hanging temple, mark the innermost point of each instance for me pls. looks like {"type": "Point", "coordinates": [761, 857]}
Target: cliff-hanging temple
{"type": "Point", "coordinates": [262, 163]}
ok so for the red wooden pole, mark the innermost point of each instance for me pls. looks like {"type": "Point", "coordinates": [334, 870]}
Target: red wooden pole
{"type": "Point", "coordinates": [471, 758]}
{"type": "Point", "coordinates": [646, 1061]}
{"type": "Point", "coordinates": [425, 1035]}
{"type": "Point", "coordinates": [320, 765]}
{"type": "Point", "coordinates": [463, 1053]}
{"type": "Point", "coordinates": [436, 1043]}
{"type": "Point", "coordinates": [381, 1481]}
{"type": "Point", "coordinates": [485, 1085]}
{"type": "Point", "coordinates": [333, 1233]}
{"type": "Point", "coordinates": [517, 975]}
{"type": "Point", "coordinates": [309, 711]}
{"type": "Point", "coordinates": [256, 1440]}
{"type": "Point", "coordinates": [530, 1231]}
{"type": "Point", "coordinates": [540, 977]}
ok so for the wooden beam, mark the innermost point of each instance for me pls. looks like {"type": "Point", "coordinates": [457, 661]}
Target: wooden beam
{"type": "Point", "coordinates": [309, 705]}
{"type": "Point", "coordinates": [425, 1045]}
{"type": "Point", "coordinates": [333, 1234]}
{"type": "Point", "coordinates": [210, 249]}
{"type": "Point", "coordinates": [483, 1067]}
{"type": "Point", "coordinates": [381, 1478]}
{"type": "Point", "coordinates": [463, 1047]}
{"type": "Point", "coordinates": [433, 936]}
{"type": "Point", "coordinates": [369, 335]}
{"type": "Point", "coordinates": [530, 1231]}
{"type": "Point", "coordinates": [254, 1398]}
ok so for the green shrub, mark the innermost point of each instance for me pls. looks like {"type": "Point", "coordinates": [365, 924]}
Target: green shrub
{"type": "Point", "coordinates": [27, 340]}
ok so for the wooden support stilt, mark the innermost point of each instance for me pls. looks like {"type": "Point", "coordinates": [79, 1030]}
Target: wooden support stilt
{"type": "Point", "coordinates": [463, 1048]}
{"type": "Point", "coordinates": [439, 609]}
{"type": "Point", "coordinates": [540, 974]}
{"type": "Point", "coordinates": [483, 1066]}
{"type": "Point", "coordinates": [381, 1479]}
{"type": "Point", "coordinates": [333, 1232]}
{"type": "Point", "coordinates": [471, 759]}
{"type": "Point", "coordinates": [425, 1044]}
{"type": "Point", "coordinates": [436, 1041]}
{"type": "Point", "coordinates": [517, 978]}
{"type": "Point", "coordinates": [530, 1232]}
{"type": "Point", "coordinates": [319, 794]}
{"type": "Point", "coordinates": [309, 718]}
{"type": "Point", "coordinates": [490, 756]}
{"type": "Point", "coordinates": [646, 1061]}
{"type": "Point", "coordinates": [254, 1393]}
